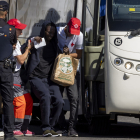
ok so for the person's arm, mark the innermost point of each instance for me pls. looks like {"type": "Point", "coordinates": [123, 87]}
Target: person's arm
{"type": "Point", "coordinates": [22, 58]}
{"type": "Point", "coordinates": [77, 55]}
{"type": "Point", "coordinates": [79, 47]}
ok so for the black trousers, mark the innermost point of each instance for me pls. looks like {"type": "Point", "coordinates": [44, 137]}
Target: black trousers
{"type": "Point", "coordinates": [73, 97]}
{"type": "Point", "coordinates": [48, 94]}
{"type": "Point", "coordinates": [7, 93]}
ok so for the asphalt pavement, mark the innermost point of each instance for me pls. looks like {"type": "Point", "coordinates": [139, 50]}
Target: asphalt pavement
{"type": "Point", "coordinates": [127, 128]}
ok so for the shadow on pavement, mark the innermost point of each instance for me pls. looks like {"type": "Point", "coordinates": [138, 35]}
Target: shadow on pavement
{"type": "Point", "coordinates": [119, 130]}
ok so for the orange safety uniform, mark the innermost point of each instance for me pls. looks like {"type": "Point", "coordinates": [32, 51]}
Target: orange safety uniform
{"type": "Point", "coordinates": [23, 104]}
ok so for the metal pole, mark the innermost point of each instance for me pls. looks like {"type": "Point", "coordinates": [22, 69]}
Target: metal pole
{"type": "Point", "coordinates": [75, 8]}
{"type": "Point", "coordinates": [83, 57]}
{"type": "Point", "coordinates": [16, 10]}
{"type": "Point", "coordinates": [95, 21]}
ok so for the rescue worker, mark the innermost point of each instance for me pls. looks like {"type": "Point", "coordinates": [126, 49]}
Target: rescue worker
{"type": "Point", "coordinates": [23, 102]}
{"type": "Point", "coordinates": [7, 39]}
{"type": "Point", "coordinates": [39, 68]}
{"type": "Point", "coordinates": [70, 41]}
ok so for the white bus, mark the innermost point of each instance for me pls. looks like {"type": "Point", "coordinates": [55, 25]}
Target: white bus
{"type": "Point", "coordinates": [121, 77]}
{"type": "Point", "coordinates": [122, 57]}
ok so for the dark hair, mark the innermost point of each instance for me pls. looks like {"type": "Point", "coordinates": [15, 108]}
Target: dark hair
{"type": "Point", "coordinates": [50, 24]}
{"type": "Point", "coordinates": [44, 27]}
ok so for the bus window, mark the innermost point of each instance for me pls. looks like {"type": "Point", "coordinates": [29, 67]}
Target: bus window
{"type": "Point", "coordinates": [123, 15]}
{"type": "Point", "coordinates": [126, 10]}
{"type": "Point", "coordinates": [102, 14]}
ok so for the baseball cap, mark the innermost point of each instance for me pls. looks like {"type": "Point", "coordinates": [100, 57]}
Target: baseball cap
{"type": "Point", "coordinates": [4, 6]}
{"type": "Point", "coordinates": [15, 22]}
{"type": "Point", "coordinates": [74, 26]}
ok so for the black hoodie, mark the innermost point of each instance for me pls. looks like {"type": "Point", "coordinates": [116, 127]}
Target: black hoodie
{"type": "Point", "coordinates": [35, 65]}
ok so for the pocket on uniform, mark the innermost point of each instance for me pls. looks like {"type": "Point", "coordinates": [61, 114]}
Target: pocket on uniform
{"type": "Point", "coordinates": [7, 77]}
{"type": "Point", "coordinates": [8, 70]}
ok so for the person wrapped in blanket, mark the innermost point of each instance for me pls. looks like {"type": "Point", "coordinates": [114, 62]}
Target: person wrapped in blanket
{"type": "Point", "coordinates": [23, 102]}
{"type": "Point", "coordinates": [39, 68]}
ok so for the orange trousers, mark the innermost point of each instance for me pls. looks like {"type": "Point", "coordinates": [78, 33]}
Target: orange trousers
{"type": "Point", "coordinates": [23, 106]}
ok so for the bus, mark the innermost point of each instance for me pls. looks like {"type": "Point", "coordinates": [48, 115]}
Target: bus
{"type": "Point", "coordinates": [113, 83]}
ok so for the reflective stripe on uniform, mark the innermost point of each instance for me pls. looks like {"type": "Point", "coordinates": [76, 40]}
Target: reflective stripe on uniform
{"type": "Point", "coordinates": [26, 91]}
{"type": "Point", "coordinates": [17, 85]}
{"type": "Point", "coordinates": [19, 120]}
{"type": "Point", "coordinates": [28, 117]}
{"type": "Point", "coordinates": [17, 94]}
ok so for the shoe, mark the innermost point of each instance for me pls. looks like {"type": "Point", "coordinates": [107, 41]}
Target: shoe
{"type": "Point", "coordinates": [1, 133]}
{"type": "Point", "coordinates": [72, 133]}
{"type": "Point", "coordinates": [54, 134]}
{"type": "Point", "coordinates": [28, 133]}
{"type": "Point", "coordinates": [63, 132]}
{"type": "Point", "coordinates": [17, 133]}
{"type": "Point", "coordinates": [47, 133]}
{"type": "Point", "coordinates": [10, 138]}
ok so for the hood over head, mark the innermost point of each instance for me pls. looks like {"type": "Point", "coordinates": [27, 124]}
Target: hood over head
{"type": "Point", "coordinates": [42, 32]}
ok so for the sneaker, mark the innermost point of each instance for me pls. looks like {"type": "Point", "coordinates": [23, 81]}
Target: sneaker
{"type": "Point", "coordinates": [54, 134]}
{"type": "Point", "coordinates": [17, 133]}
{"type": "Point", "coordinates": [63, 132]}
{"type": "Point", "coordinates": [1, 133]}
{"type": "Point", "coordinates": [47, 133]}
{"type": "Point", "coordinates": [72, 133]}
{"type": "Point", "coordinates": [28, 133]}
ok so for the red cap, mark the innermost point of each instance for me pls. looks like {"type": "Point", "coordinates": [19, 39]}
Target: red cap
{"type": "Point", "coordinates": [74, 26]}
{"type": "Point", "coordinates": [17, 24]}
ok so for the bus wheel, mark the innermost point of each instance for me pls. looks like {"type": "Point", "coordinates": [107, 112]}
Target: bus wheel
{"type": "Point", "coordinates": [99, 125]}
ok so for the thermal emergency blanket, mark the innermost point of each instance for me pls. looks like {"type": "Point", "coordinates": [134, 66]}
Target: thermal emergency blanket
{"type": "Point", "coordinates": [64, 70]}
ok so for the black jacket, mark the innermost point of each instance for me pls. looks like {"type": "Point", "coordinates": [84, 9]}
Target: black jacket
{"type": "Point", "coordinates": [33, 59]}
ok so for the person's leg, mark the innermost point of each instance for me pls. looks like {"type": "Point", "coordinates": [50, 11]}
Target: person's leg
{"type": "Point", "coordinates": [62, 122]}
{"type": "Point", "coordinates": [28, 115]}
{"type": "Point", "coordinates": [57, 102]}
{"type": "Point", "coordinates": [72, 94]}
{"type": "Point", "coordinates": [40, 88]}
{"type": "Point", "coordinates": [19, 104]}
{"type": "Point", "coordinates": [1, 126]}
{"type": "Point", "coordinates": [1, 112]}
{"type": "Point", "coordinates": [19, 112]}
{"type": "Point", "coordinates": [7, 94]}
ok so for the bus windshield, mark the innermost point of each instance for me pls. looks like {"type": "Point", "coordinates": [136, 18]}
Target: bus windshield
{"type": "Point", "coordinates": [126, 10]}
{"type": "Point", "coordinates": [123, 15]}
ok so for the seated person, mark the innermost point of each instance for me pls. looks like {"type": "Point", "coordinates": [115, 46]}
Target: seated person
{"type": "Point", "coordinates": [39, 68]}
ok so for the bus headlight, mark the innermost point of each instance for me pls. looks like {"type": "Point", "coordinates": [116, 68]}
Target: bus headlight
{"type": "Point", "coordinates": [138, 68]}
{"type": "Point", "coordinates": [118, 61]}
{"type": "Point", "coordinates": [128, 65]}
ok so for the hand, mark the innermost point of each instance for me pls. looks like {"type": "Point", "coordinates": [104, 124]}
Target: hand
{"type": "Point", "coordinates": [66, 50]}
{"type": "Point", "coordinates": [38, 39]}
{"type": "Point", "coordinates": [14, 46]}
{"type": "Point", "coordinates": [30, 45]}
